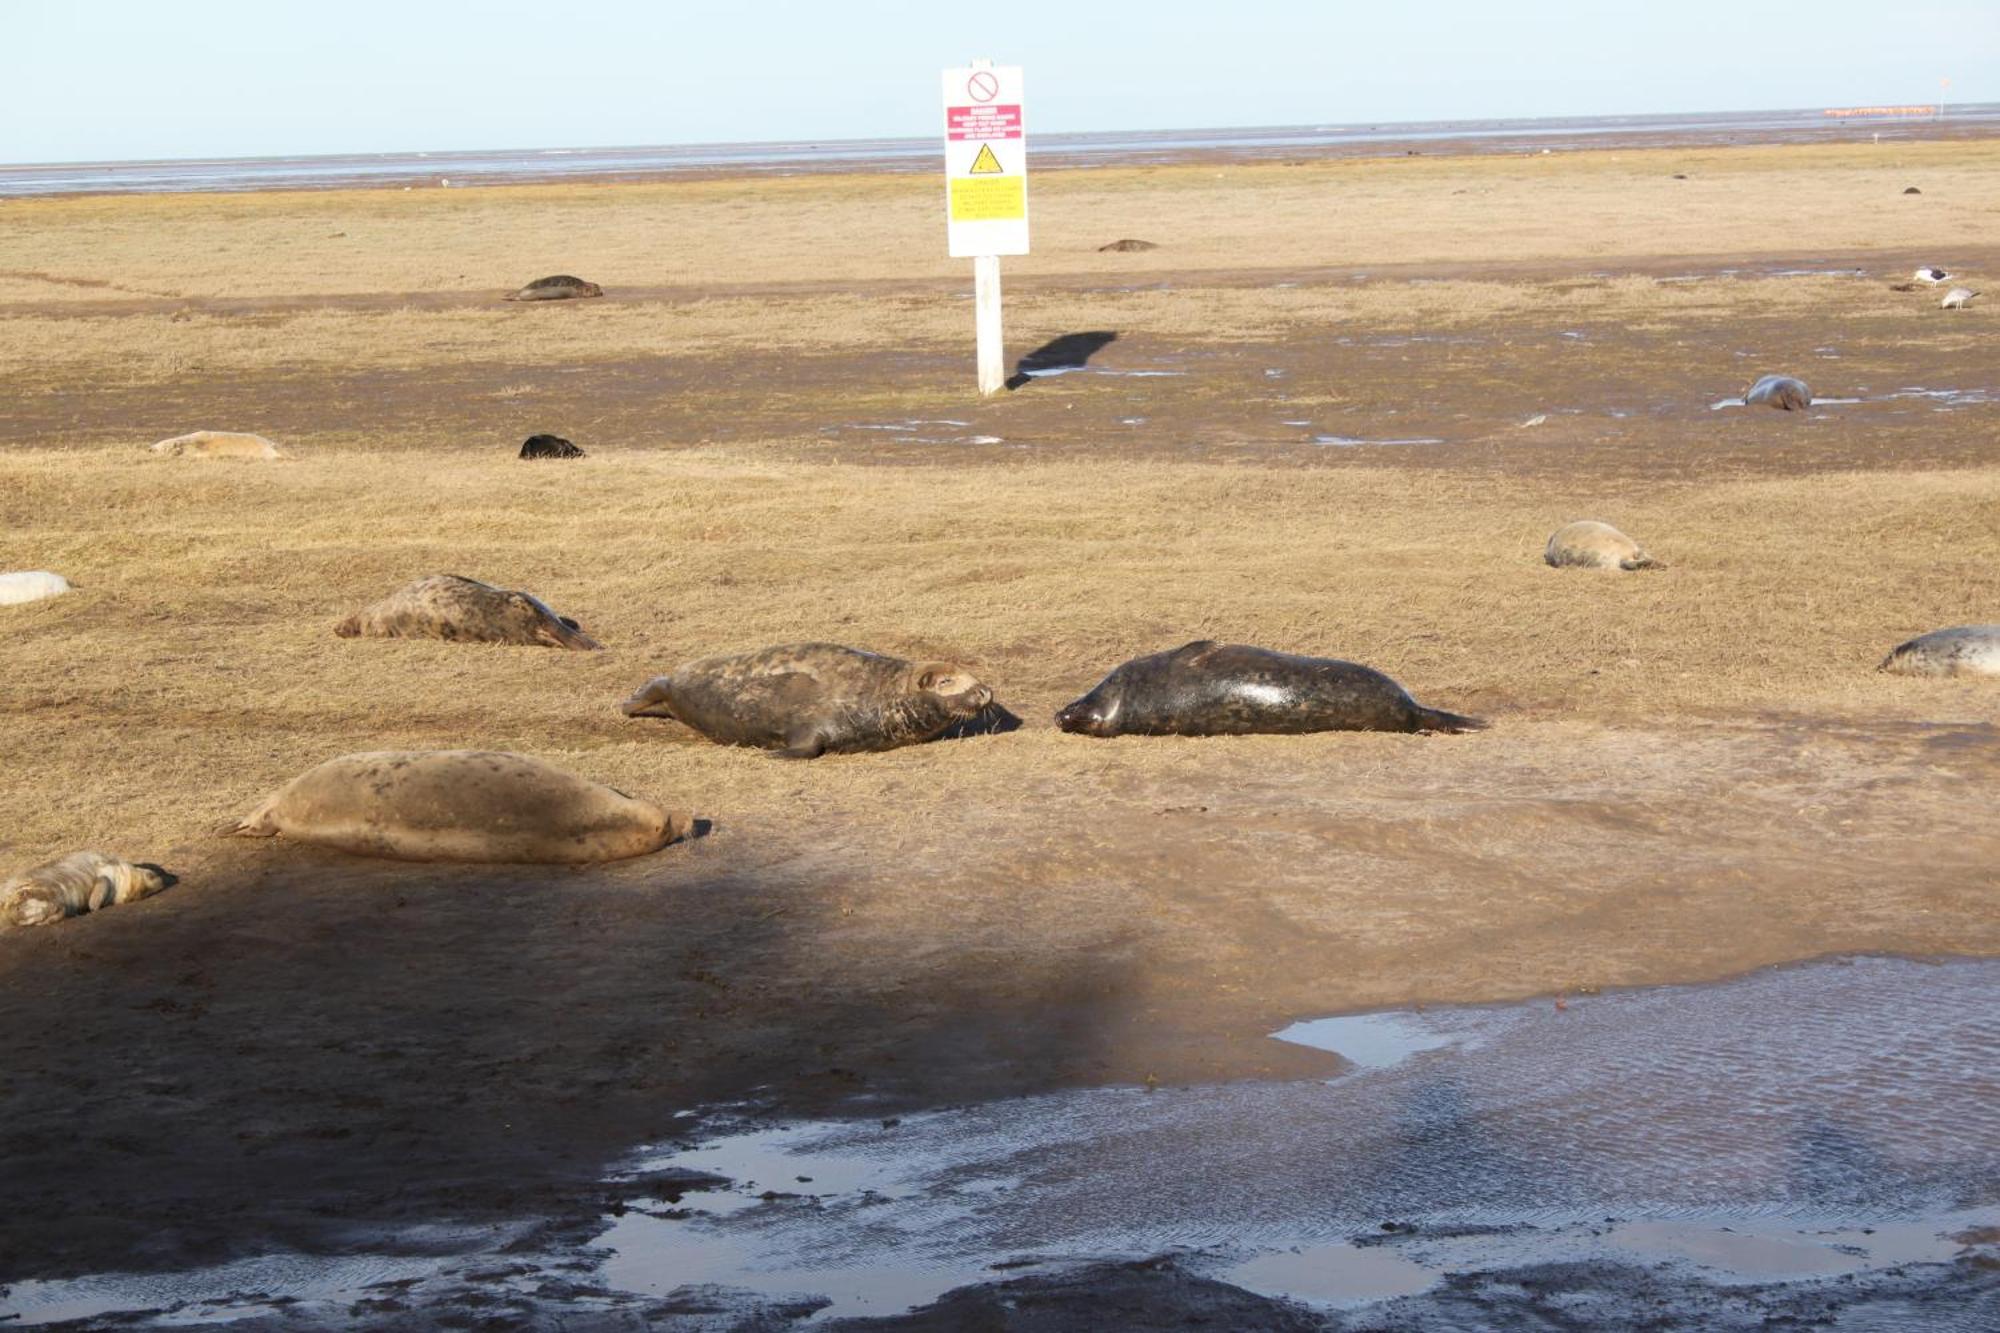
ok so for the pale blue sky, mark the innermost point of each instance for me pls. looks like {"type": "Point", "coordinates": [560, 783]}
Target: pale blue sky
{"type": "Point", "coordinates": [110, 79]}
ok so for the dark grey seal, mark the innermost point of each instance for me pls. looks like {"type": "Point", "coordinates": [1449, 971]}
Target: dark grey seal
{"type": "Point", "coordinates": [549, 446]}
{"type": "Point", "coordinates": [1128, 246]}
{"type": "Point", "coordinates": [1780, 391]}
{"type": "Point", "coordinates": [1231, 689]}
{"type": "Point", "coordinates": [808, 699]}
{"type": "Point", "coordinates": [561, 287]}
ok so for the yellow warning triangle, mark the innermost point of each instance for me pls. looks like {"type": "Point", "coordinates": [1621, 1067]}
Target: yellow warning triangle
{"type": "Point", "coordinates": [986, 164]}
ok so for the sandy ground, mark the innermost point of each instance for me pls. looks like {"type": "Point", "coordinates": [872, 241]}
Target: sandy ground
{"type": "Point", "coordinates": [1690, 772]}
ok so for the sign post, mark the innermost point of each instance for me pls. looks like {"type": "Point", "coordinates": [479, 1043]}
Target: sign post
{"type": "Point", "coordinates": [986, 191]}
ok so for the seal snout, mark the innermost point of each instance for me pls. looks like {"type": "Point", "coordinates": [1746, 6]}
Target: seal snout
{"type": "Point", "coordinates": [1080, 719]}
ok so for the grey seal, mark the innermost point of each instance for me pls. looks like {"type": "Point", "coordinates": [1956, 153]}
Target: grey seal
{"type": "Point", "coordinates": [1962, 650]}
{"type": "Point", "coordinates": [1779, 391]}
{"type": "Point", "coordinates": [1214, 689]}
{"type": "Point", "coordinates": [549, 446]}
{"type": "Point", "coordinates": [559, 287]}
{"type": "Point", "coordinates": [217, 444]}
{"type": "Point", "coordinates": [1588, 544]}
{"type": "Point", "coordinates": [1128, 246]}
{"type": "Point", "coordinates": [462, 610]}
{"type": "Point", "coordinates": [73, 885]}
{"type": "Point", "coordinates": [461, 805]}
{"type": "Point", "coordinates": [803, 700]}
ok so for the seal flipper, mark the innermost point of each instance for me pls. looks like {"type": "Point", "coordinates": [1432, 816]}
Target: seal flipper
{"type": "Point", "coordinates": [1436, 719]}
{"type": "Point", "coordinates": [651, 700]}
{"type": "Point", "coordinates": [257, 824]}
{"type": "Point", "coordinates": [1640, 562]}
{"type": "Point", "coordinates": [103, 893]}
{"type": "Point", "coordinates": [802, 743]}
{"type": "Point", "coordinates": [349, 628]}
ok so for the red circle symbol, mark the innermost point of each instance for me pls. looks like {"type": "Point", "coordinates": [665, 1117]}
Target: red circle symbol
{"type": "Point", "coordinates": [982, 87]}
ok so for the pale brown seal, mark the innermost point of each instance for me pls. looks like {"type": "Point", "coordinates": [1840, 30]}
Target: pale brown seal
{"type": "Point", "coordinates": [1588, 544]}
{"type": "Point", "coordinates": [74, 884]}
{"type": "Point", "coordinates": [461, 805]}
{"type": "Point", "coordinates": [1215, 689]}
{"type": "Point", "coordinates": [1780, 391]}
{"type": "Point", "coordinates": [1962, 650]}
{"type": "Point", "coordinates": [1128, 246]}
{"type": "Point", "coordinates": [462, 610]}
{"type": "Point", "coordinates": [217, 444]}
{"type": "Point", "coordinates": [808, 699]}
{"type": "Point", "coordinates": [560, 287]}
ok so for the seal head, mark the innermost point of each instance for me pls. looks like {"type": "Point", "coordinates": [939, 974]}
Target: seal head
{"type": "Point", "coordinates": [1212, 689]}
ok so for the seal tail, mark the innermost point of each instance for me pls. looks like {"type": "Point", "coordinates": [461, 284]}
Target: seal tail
{"type": "Point", "coordinates": [1436, 719]}
{"type": "Point", "coordinates": [257, 824]}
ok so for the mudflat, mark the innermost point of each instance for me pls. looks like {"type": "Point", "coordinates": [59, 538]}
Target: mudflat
{"type": "Point", "coordinates": [1345, 404]}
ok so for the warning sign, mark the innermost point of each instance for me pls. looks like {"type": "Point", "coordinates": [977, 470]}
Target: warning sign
{"type": "Point", "coordinates": [985, 162]}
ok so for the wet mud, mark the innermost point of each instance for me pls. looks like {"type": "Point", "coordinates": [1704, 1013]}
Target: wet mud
{"type": "Point", "coordinates": [1817, 1142]}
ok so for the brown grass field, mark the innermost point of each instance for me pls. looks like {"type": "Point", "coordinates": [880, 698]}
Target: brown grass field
{"type": "Point", "coordinates": [1690, 772]}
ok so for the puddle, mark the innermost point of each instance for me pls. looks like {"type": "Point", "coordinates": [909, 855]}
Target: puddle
{"type": "Point", "coordinates": [1349, 440]}
{"type": "Point", "coordinates": [1801, 1124]}
{"type": "Point", "coordinates": [1333, 1275]}
{"type": "Point", "coordinates": [1370, 1041]}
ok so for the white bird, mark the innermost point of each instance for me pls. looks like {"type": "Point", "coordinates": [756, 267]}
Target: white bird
{"type": "Point", "coordinates": [1931, 275]}
{"type": "Point", "coordinates": [1958, 298]}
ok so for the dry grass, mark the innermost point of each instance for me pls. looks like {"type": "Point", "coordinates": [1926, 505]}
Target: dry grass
{"type": "Point", "coordinates": [1661, 741]}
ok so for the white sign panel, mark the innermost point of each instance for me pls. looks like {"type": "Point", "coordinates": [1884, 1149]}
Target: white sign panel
{"type": "Point", "coordinates": [985, 162]}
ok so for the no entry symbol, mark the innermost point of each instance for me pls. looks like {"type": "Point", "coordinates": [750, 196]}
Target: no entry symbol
{"type": "Point", "coordinates": [982, 87]}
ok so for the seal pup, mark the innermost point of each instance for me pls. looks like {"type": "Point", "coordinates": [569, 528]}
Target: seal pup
{"type": "Point", "coordinates": [1931, 275]}
{"type": "Point", "coordinates": [217, 444]}
{"type": "Point", "coordinates": [560, 287]}
{"type": "Point", "coordinates": [1588, 544]}
{"type": "Point", "coordinates": [1958, 298]}
{"type": "Point", "coordinates": [549, 446]}
{"type": "Point", "coordinates": [461, 805]}
{"type": "Point", "coordinates": [1128, 246]}
{"type": "Point", "coordinates": [462, 610]}
{"type": "Point", "coordinates": [1911, 189]}
{"type": "Point", "coordinates": [1216, 689]}
{"type": "Point", "coordinates": [1779, 391]}
{"type": "Point", "coordinates": [73, 885]}
{"type": "Point", "coordinates": [30, 585]}
{"type": "Point", "coordinates": [804, 700]}
{"type": "Point", "coordinates": [1962, 650]}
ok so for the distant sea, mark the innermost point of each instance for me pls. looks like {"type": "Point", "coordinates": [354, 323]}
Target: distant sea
{"type": "Point", "coordinates": [1133, 148]}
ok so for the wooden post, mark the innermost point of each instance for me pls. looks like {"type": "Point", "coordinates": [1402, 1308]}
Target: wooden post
{"type": "Point", "coordinates": [986, 323]}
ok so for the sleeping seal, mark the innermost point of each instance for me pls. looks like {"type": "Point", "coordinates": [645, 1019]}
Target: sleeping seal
{"type": "Point", "coordinates": [1780, 391]}
{"type": "Point", "coordinates": [1962, 650]}
{"type": "Point", "coordinates": [30, 585]}
{"type": "Point", "coordinates": [1588, 544]}
{"type": "Point", "coordinates": [461, 805]}
{"type": "Point", "coordinates": [549, 446]}
{"type": "Point", "coordinates": [561, 287]}
{"type": "Point", "coordinates": [1128, 246]}
{"type": "Point", "coordinates": [462, 610]}
{"type": "Point", "coordinates": [808, 699]}
{"type": "Point", "coordinates": [74, 884]}
{"type": "Point", "coordinates": [1215, 689]}
{"type": "Point", "coordinates": [217, 444]}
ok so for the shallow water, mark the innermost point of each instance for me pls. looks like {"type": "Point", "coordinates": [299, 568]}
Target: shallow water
{"type": "Point", "coordinates": [1806, 1122]}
